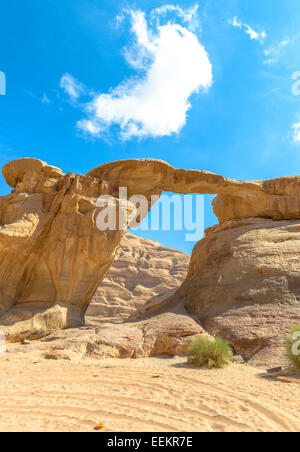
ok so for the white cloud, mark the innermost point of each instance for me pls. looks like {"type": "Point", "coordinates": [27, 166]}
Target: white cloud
{"type": "Point", "coordinates": [296, 129]}
{"type": "Point", "coordinates": [71, 86]}
{"type": "Point", "coordinates": [45, 99]}
{"type": "Point", "coordinates": [119, 19]}
{"type": "Point", "coordinates": [259, 36]}
{"type": "Point", "coordinates": [189, 16]}
{"type": "Point", "coordinates": [174, 66]}
{"type": "Point", "coordinates": [274, 51]}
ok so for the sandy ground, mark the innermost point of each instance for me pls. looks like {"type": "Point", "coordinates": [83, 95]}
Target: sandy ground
{"type": "Point", "coordinates": [154, 394]}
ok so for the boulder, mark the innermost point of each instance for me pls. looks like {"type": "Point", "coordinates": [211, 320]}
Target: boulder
{"type": "Point", "coordinates": [164, 334]}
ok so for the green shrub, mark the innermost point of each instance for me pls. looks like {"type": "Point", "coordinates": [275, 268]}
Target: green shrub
{"type": "Point", "coordinates": [209, 352]}
{"type": "Point", "coordinates": [292, 345]}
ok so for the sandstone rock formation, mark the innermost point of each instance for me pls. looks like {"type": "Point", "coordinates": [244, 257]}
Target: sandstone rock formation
{"type": "Point", "coordinates": [243, 280]}
{"type": "Point", "coordinates": [243, 284]}
{"type": "Point", "coordinates": [244, 277]}
{"type": "Point", "coordinates": [277, 198]}
{"type": "Point", "coordinates": [164, 334]}
{"type": "Point", "coordinates": [53, 256]}
{"type": "Point", "coordinates": [142, 271]}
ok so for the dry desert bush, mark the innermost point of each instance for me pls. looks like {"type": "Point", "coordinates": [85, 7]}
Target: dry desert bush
{"type": "Point", "coordinates": [209, 352]}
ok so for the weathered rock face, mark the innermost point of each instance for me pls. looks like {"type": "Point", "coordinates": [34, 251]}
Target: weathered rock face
{"type": "Point", "coordinates": [165, 334]}
{"type": "Point", "coordinates": [243, 281]}
{"type": "Point", "coordinates": [53, 256]}
{"type": "Point", "coordinates": [142, 271]}
{"type": "Point", "coordinates": [277, 198]}
{"type": "Point", "coordinates": [244, 284]}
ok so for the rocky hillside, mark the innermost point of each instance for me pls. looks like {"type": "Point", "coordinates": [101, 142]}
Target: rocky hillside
{"type": "Point", "coordinates": [143, 270]}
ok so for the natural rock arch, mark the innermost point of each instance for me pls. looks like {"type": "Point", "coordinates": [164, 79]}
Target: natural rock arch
{"type": "Point", "coordinates": [53, 257]}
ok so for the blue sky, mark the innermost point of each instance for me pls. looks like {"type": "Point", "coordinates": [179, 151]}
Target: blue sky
{"type": "Point", "coordinates": [233, 107]}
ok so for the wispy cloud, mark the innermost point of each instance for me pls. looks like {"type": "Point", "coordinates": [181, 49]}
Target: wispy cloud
{"type": "Point", "coordinates": [190, 16]}
{"type": "Point", "coordinates": [174, 65]}
{"type": "Point", "coordinates": [274, 51]}
{"type": "Point", "coordinates": [44, 99]}
{"type": "Point", "coordinates": [72, 87]}
{"type": "Point", "coordinates": [253, 34]}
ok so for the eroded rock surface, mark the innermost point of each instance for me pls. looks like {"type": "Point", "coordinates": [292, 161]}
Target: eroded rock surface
{"type": "Point", "coordinates": [243, 284]}
{"type": "Point", "coordinates": [142, 271]}
{"type": "Point", "coordinates": [277, 198]}
{"type": "Point", "coordinates": [165, 334]}
{"type": "Point", "coordinates": [53, 256]}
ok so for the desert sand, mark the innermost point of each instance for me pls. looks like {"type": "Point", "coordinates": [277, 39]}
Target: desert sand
{"type": "Point", "coordinates": [153, 394]}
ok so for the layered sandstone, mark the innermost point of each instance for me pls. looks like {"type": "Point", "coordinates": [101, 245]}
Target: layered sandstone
{"type": "Point", "coordinates": [142, 271]}
{"type": "Point", "coordinates": [53, 256]}
{"type": "Point", "coordinates": [277, 198]}
{"type": "Point", "coordinates": [243, 284]}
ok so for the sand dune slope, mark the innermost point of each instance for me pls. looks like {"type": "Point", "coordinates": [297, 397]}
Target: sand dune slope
{"type": "Point", "coordinates": [141, 395]}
